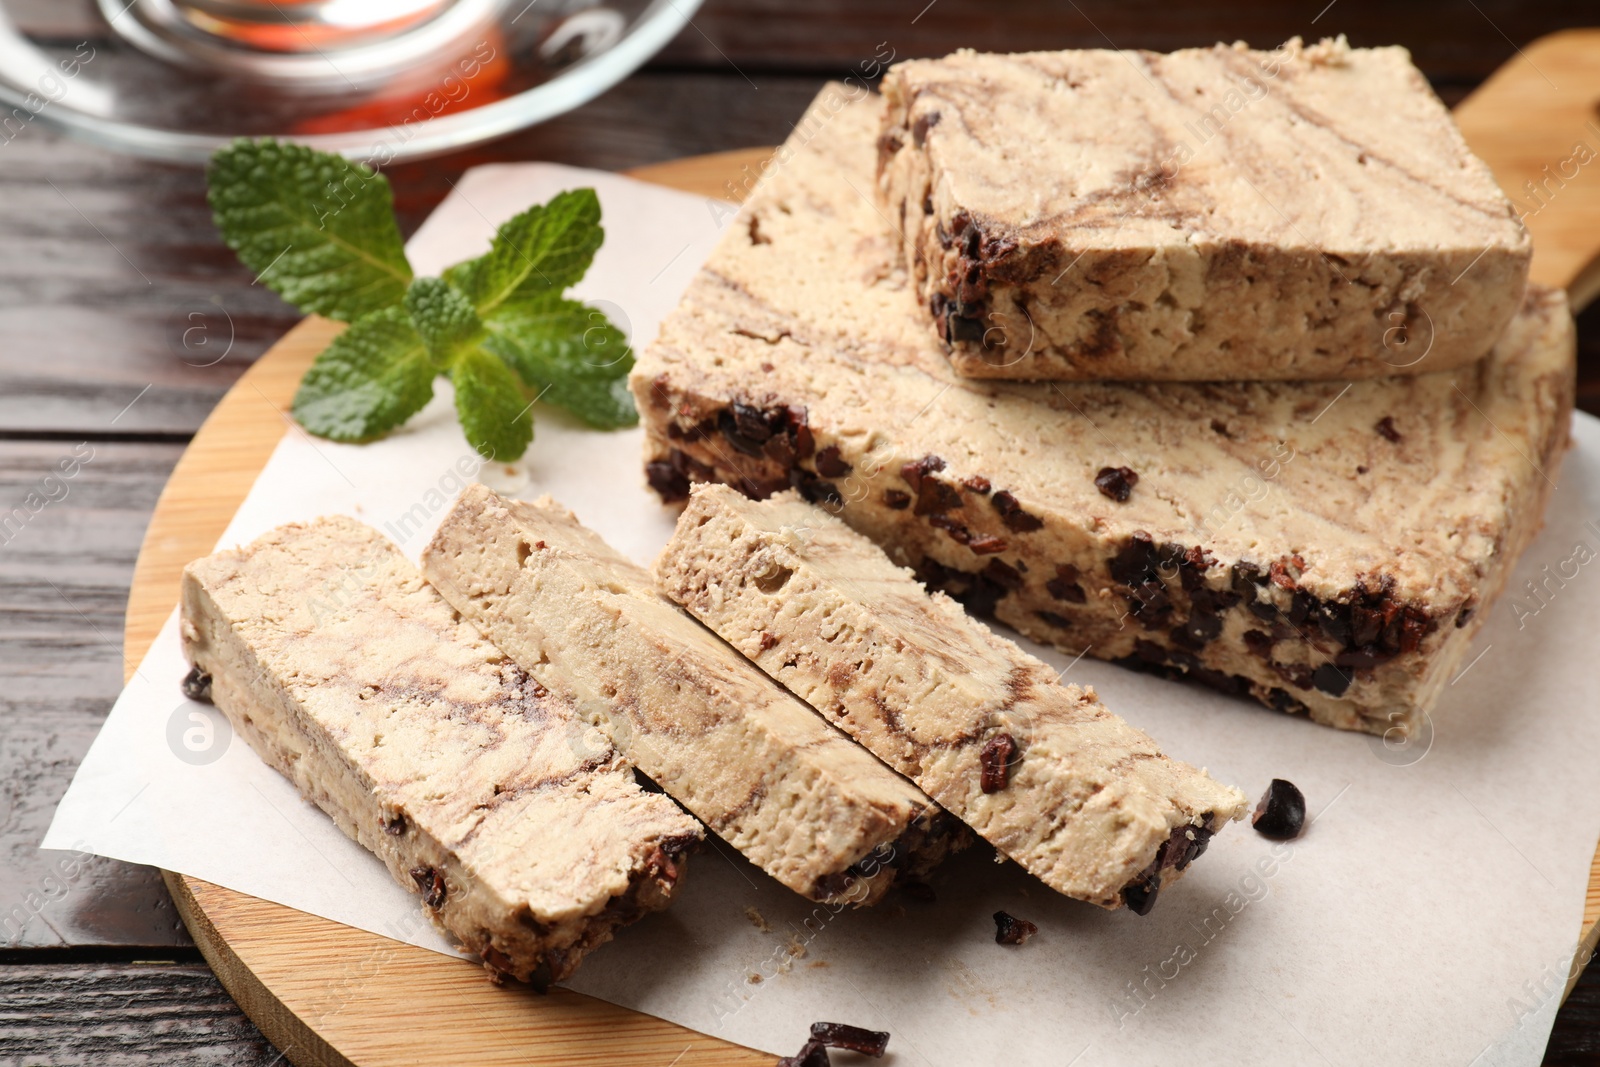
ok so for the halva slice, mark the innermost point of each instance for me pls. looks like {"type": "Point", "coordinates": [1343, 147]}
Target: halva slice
{"type": "Point", "coordinates": [1039, 768]}
{"type": "Point", "coordinates": [526, 836]}
{"type": "Point", "coordinates": [1213, 214]}
{"type": "Point", "coordinates": [758, 766]}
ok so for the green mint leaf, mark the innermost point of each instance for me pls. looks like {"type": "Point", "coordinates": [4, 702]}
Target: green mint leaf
{"type": "Point", "coordinates": [372, 378]}
{"type": "Point", "coordinates": [316, 228]}
{"type": "Point", "coordinates": [604, 405]}
{"type": "Point", "coordinates": [555, 338]}
{"type": "Point", "coordinates": [570, 354]}
{"type": "Point", "coordinates": [444, 318]}
{"type": "Point", "coordinates": [543, 250]}
{"type": "Point", "coordinates": [494, 414]}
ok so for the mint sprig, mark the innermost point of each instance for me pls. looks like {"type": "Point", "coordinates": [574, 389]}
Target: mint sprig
{"type": "Point", "coordinates": [320, 231]}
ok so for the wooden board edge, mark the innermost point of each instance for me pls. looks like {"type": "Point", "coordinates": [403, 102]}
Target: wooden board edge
{"type": "Point", "coordinates": [289, 1034]}
{"type": "Point", "coordinates": [328, 995]}
{"type": "Point", "coordinates": [1554, 77]}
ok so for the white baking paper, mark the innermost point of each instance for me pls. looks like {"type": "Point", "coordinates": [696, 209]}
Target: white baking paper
{"type": "Point", "coordinates": [1428, 915]}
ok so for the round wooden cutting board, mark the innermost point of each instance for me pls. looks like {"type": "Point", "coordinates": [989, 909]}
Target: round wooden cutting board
{"type": "Point", "coordinates": [329, 995]}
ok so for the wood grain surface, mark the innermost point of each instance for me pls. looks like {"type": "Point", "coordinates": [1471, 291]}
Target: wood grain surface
{"type": "Point", "coordinates": [110, 263]}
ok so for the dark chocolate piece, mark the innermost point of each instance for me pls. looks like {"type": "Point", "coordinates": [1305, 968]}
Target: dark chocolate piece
{"type": "Point", "coordinates": [669, 483]}
{"type": "Point", "coordinates": [830, 464]}
{"type": "Point", "coordinates": [1281, 812]}
{"type": "Point", "coordinates": [1140, 896]}
{"type": "Point", "coordinates": [1387, 431]}
{"type": "Point", "coordinates": [995, 759]}
{"type": "Point", "coordinates": [1010, 930]}
{"type": "Point", "coordinates": [1330, 679]}
{"type": "Point", "coordinates": [852, 1038]}
{"type": "Point", "coordinates": [432, 885]}
{"type": "Point", "coordinates": [196, 685]}
{"type": "Point", "coordinates": [1116, 483]}
{"type": "Point", "coordinates": [1012, 515]}
{"type": "Point", "coordinates": [811, 1054]}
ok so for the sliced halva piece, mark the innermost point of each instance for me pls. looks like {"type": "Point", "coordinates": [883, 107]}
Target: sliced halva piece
{"type": "Point", "coordinates": [758, 766]}
{"type": "Point", "coordinates": [1039, 768]}
{"type": "Point", "coordinates": [526, 836]}
{"type": "Point", "coordinates": [1211, 214]}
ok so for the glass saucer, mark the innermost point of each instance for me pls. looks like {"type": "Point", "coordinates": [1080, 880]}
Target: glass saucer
{"type": "Point", "coordinates": [376, 80]}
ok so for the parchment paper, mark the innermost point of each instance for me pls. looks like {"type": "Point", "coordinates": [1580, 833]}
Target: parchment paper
{"type": "Point", "coordinates": [1428, 915]}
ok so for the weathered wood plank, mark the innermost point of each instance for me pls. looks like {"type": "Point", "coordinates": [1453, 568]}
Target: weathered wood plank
{"type": "Point", "coordinates": [1575, 1040]}
{"type": "Point", "coordinates": [1452, 41]}
{"type": "Point", "coordinates": [67, 547]}
{"type": "Point", "coordinates": [122, 312]}
{"type": "Point", "coordinates": [1589, 359]}
{"type": "Point", "coordinates": [159, 1014]}
{"type": "Point", "coordinates": [124, 1015]}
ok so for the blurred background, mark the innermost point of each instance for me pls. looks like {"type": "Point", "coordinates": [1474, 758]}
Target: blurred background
{"type": "Point", "coordinates": [123, 319]}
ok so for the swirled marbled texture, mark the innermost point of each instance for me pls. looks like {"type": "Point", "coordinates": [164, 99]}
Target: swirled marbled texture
{"type": "Point", "coordinates": [1212, 214]}
{"type": "Point", "coordinates": [525, 833]}
{"type": "Point", "coordinates": [1086, 803]}
{"type": "Point", "coordinates": [757, 765]}
{"type": "Point", "coordinates": [1325, 547]}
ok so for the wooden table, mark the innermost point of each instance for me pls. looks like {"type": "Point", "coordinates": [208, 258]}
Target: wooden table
{"type": "Point", "coordinates": [123, 319]}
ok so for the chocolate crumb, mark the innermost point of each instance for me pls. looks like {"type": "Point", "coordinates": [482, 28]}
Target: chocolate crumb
{"type": "Point", "coordinates": [995, 759]}
{"type": "Point", "coordinates": [1281, 812]}
{"type": "Point", "coordinates": [872, 1043]}
{"type": "Point", "coordinates": [1064, 586]}
{"type": "Point", "coordinates": [1331, 680]}
{"type": "Point", "coordinates": [1140, 897]}
{"type": "Point", "coordinates": [830, 464]}
{"type": "Point", "coordinates": [1259, 643]}
{"type": "Point", "coordinates": [670, 484]}
{"type": "Point", "coordinates": [958, 533]}
{"type": "Point", "coordinates": [431, 883]}
{"type": "Point", "coordinates": [1003, 574]}
{"type": "Point", "coordinates": [497, 961]}
{"type": "Point", "coordinates": [1010, 930]}
{"type": "Point", "coordinates": [977, 483]}
{"type": "Point", "coordinates": [1012, 515]}
{"type": "Point", "coordinates": [987, 546]}
{"type": "Point", "coordinates": [1116, 483]}
{"type": "Point", "coordinates": [767, 640]}
{"type": "Point", "coordinates": [1387, 431]}
{"type": "Point", "coordinates": [811, 1054]}
{"type": "Point", "coordinates": [897, 500]}
{"type": "Point", "coordinates": [914, 471]}
{"type": "Point", "coordinates": [964, 328]}
{"type": "Point", "coordinates": [921, 125]}
{"type": "Point", "coordinates": [196, 685]}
